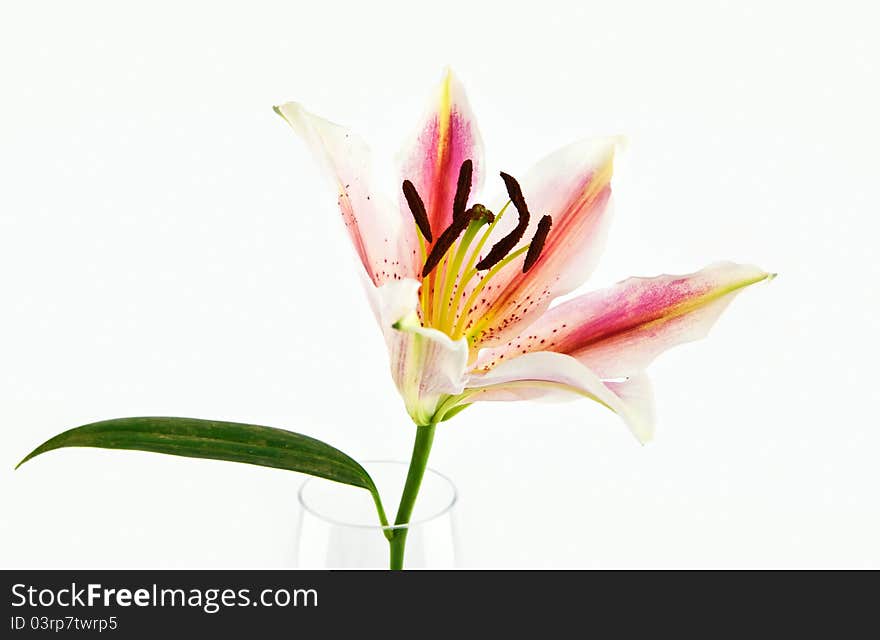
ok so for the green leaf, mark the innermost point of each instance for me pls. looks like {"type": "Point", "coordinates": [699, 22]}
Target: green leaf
{"type": "Point", "coordinates": [231, 441]}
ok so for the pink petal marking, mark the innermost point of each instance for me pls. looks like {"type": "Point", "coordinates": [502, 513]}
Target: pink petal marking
{"type": "Point", "coordinates": [573, 185]}
{"type": "Point", "coordinates": [618, 331]}
{"type": "Point", "coordinates": [447, 136]}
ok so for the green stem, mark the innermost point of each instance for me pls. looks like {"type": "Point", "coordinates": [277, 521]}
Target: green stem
{"type": "Point", "coordinates": [417, 465]}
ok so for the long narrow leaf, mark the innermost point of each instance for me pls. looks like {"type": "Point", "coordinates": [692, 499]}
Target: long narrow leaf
{"type": "Point", "coordinates": [231, 441]}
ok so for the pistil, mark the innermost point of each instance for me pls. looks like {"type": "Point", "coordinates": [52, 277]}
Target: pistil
{"type": "Point", "coordinates": [479, 216]}
{"type": "Point", "coordinates": [469, 270]}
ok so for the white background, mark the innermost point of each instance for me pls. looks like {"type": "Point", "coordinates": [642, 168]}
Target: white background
{"type": "Point", "coordinates": [168, 247]}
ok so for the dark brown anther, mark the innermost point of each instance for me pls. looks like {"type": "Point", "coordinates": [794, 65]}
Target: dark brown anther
{"type": "Point", "coordinates": [460, 219]}
{"type": "Point", "coordinates": [463, 189]}
{"type": "Point", "coordinates": [537, 243]}
{"type": "Point", "coordinates": [446, 239]}
{"type": "Point", "coordinates": [417, 207]}
{"type": "Point", "coordinates": [507, 243]}
{"type": "Point", "coordinates": [515, 193]}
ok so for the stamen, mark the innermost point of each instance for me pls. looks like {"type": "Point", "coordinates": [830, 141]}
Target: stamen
{"type": "Point", "coordinates": [477, 216]}
{"type": "Point", "coordinates": [515, 193]}
{"type": "Point", "coordinates": [444, 242]}
{"type": "Point", "coordinates": [469, 270]}
{"type": "Point", "coordinates": [537, 243]}
{"type": "Point", "coordinates": [508, 242]}
{"type": "Point", "coordinates": [459, 220]}
{"type": "Point", "coordinates": [463, 189]}
{"type": "Point", "coordinates": [417, 207]}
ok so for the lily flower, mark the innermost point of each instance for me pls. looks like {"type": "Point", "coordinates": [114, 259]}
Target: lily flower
{"type": "Point", "coordinates": [464, 293]}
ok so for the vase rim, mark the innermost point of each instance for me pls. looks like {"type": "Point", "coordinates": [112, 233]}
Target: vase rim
{"type": "Point", "coordinates": [391, 527]}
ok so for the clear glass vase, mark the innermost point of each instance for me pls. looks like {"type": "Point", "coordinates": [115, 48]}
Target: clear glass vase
{"type": "Point", "coordinates": [339, 528]}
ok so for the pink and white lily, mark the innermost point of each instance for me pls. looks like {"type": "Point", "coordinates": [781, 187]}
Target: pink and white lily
{"type": "Point", "coordinates": [464, 293]}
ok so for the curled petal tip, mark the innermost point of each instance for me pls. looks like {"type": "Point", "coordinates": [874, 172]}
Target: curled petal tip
{"type": "Point", "coordinates": [291, 112]}
{"type": "Point", "coordinates": [762, 277]}
{"type": "Point", "coordinates": [285, 106]}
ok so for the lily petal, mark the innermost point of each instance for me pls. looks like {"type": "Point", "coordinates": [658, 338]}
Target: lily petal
{"type": "Point", "coordinates": [618, 331]}
{"type": "Point", "coordinates": [573, 186]}
{"type": "Point", "coordinates": [558, 376]}
{"type": "Point", "coordinates": [426, 364]}
{"type": "Point", "coordinates": [446, 136]}
{"type": "Point", "coordinates": [384, 241]}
